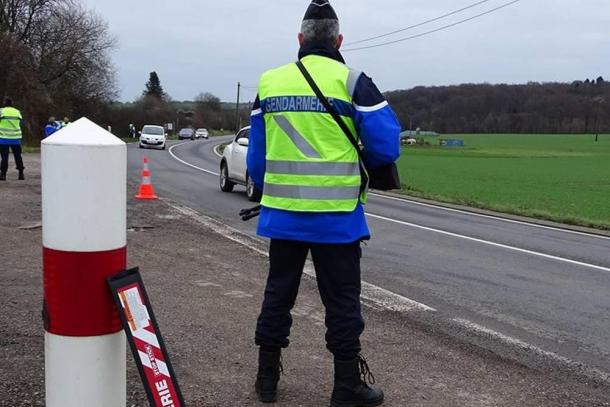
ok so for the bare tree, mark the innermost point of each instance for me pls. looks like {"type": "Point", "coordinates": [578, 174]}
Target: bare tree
{"type": "Point", "coordinates": [18, 17]}
{"type": "Point", "coordinates": [56, 56]}
{"type": "Point", "coordinates": [74, 44]}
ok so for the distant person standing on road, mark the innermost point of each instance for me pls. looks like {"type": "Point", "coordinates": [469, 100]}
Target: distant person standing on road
{"type": "Point", "coordinates": [10, 138]}
{"type": "Point", "coordinates": [132, 130]}
{"type": "Point", "coordinates": [313, 197]}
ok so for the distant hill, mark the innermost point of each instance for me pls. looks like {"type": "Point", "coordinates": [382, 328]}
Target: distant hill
{"type": "Point", "coordinates": [578, 107]}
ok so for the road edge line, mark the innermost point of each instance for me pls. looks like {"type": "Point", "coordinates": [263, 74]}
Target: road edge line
{"type": "Point", "coordinates": [500, 216]}
{"type": "Point", "coordinates": [493, 244]}
{"type": "Point", "coordinates": [443, 232]}
{"type": "Point", "coordinates": [589, 371]}
{"type": "Point", "coordinates": [375, 297]}
{"type": "Point", "coordinates": [175, 157]}
{"type": "Point", "coordinates": [372, 295]}
{"type": "Point", "coordinates": [466, 210]}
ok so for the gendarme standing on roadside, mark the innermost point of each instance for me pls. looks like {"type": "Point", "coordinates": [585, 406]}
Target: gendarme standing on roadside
{"type": "Point", "coordinates": [313, 196]}
{"type": "Point", "coordinates": [10, 138]}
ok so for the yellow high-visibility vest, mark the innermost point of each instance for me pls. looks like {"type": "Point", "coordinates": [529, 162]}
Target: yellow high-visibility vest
{"type": "Point", "coordinates": [311, 166]}
{"type": "Point", "coordinates": [10, 124]}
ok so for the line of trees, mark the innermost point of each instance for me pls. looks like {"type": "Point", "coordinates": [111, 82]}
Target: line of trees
{"type": "Point", "coordinates": [579, 107]}
{"type": "Point", "coordinates": [55, 60]}
{"type": "Point", "coordinates": [155, 106]}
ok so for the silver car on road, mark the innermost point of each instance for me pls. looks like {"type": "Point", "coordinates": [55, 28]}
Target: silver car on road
{"type": "Point", "coordinates": [233, 168]}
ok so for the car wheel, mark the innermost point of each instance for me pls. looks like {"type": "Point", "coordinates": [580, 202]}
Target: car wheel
{"type": "Point", "coordinates": [225, 184]}
{"type": "Point", "coordinates": [141, 146]}
{"type": "Point", "coordinates": [254, 194]}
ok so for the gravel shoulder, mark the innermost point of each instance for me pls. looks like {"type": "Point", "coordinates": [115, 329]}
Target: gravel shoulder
{"type": "Point", "coordinates": [206, 291]}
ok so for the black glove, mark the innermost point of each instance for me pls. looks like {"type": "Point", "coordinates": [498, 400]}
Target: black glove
{"type": "Point", "coordinates": [247, 214]}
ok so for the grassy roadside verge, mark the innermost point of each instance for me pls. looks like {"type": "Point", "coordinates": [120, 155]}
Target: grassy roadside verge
{"type": "Point", "coordinates": [559, 178]}
{"type": "Point", "coordinates": [26, 149]}
{"type": "Point", "coordinates": [221, 148]}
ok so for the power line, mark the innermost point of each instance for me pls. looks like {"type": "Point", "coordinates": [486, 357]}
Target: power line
{"type": "Point", "coordinates": [435, 30]}
{"type": "Point", "coordinates": [419, 24]}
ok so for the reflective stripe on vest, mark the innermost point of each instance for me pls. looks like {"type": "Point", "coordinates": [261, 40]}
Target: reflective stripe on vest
{"type": "Point", "coordinates": [307, 192]}
{"type": "Point", "coordinates": [311, 166]}
{"type": "Point", "coordinates": [10, 124]}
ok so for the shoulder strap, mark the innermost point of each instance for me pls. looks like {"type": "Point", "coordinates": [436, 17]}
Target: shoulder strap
{"type": "Point", "coordinates": [329, 108]}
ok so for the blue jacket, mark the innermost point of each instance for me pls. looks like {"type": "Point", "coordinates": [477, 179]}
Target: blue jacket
{"type": "Point", "coordinates": [51, 128]}
{"type": "Point", "coordinates": [379, 132]}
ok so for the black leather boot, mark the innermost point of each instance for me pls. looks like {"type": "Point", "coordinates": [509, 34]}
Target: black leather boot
{"type": "Point", "coordinates": [3, 176]}
{"type": "Point", "coordinates": [269, 369]}
{"type": "Point", "coordinates": [21, 176]}
{"type": "Point", "coordinates": [351, 387]}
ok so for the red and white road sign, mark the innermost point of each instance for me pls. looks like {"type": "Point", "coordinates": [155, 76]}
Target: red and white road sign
{"type": "Point", "coordinates": [145, 340]}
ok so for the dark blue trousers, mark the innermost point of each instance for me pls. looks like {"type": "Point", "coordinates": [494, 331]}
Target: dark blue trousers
{"type": "Point", "coordinates": [4, 152]}
{"type": "Point", "coordinates": [338, 276]}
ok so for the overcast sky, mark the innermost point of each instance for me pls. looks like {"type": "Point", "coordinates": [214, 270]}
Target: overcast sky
{"type": "Point", "coordinates": [204, 45]}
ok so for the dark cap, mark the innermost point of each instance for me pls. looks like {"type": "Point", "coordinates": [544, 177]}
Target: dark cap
{"type": "Point", "coordinates": [8, 102]}
{"type": "Point", "coordinates": [320, 10]}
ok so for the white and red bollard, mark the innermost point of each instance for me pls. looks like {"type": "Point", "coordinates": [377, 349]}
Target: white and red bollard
{"type": "Point", "coordinates": [84, 195]}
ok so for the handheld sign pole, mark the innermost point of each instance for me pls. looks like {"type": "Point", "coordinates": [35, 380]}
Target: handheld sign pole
{"type": "Point", "coordinates": [144, 337]}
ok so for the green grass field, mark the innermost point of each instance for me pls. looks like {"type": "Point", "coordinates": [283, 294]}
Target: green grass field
{"type": "Point", "coordinates": [565, 178]}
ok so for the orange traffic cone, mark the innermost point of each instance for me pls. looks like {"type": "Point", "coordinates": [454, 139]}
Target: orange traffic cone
{"type": "Point", "coordinates": [146, 189]}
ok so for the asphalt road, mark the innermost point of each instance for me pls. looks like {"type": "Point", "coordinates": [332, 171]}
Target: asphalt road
{"type": "Point", "coordinates": [541, 286]}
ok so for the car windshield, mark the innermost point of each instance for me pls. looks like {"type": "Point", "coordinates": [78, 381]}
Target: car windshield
{"type": "Point", "coordinates": [186, 131]}
{"type": "Point", "coordinates": [153, 131]}
{"type": "Point", "coordinates": [202, 130]}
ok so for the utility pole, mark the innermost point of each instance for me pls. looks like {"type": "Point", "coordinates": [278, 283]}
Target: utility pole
{"type": "Point", "coordinates": [237, 108]}
{"type": "Point", "coordinates": [599, 102]}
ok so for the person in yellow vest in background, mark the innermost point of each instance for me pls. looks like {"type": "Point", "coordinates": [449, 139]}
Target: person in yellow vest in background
{"type": "Point", "coordinates": [313, 197]}
{"type": "Point", "coordinates": [10, 138]}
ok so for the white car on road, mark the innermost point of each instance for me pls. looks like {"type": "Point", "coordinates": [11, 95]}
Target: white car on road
{"type": "Point", "coordinates": [202, 133]}
{"type": "Point", "coordinates": [153, 137]}
{"type": "Point", "coordinates": [233, 168]}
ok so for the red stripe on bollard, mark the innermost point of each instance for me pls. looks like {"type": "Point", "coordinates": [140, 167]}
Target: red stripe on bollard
{"type": "Point", "coordinates": [77, 301]}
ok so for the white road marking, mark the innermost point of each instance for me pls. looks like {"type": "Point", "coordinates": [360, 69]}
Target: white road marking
{"type": "Point", "coordinates": [376, 297]}
{"type": "Point", "coordinates": [371, 294]}
{"type": "Point", "coordinates": [514, 342]}
{"type": "Point", "coordinates": [446, 233]}
{"type": "Point", "coordinates": [171, 152]}
{"type": "Point", "coordinates": [444, 208]}
{"type": "Point", "coordinates": [489, 243]}
{"type": "Point", "coordinates": [481, 215]}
